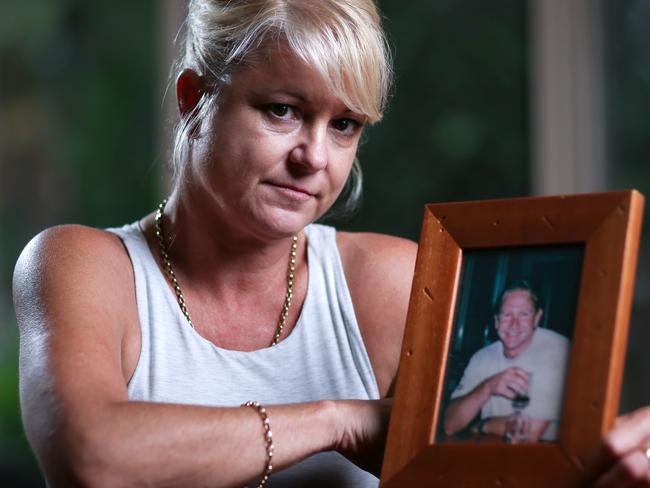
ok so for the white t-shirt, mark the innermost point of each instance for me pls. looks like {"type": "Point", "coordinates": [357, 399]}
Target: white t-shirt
{"type": "Point", "coordinates": [545, 358]}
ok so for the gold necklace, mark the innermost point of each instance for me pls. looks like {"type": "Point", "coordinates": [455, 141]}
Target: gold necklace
{"type": "Point", "coordinates": [158, 225]}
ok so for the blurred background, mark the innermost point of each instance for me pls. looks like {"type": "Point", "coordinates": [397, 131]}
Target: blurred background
{"type": "Point", "coordinates": [492, 99]}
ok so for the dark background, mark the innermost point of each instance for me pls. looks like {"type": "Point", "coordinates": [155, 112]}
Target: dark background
{"type": "Point", "coordinates": [83, 133]}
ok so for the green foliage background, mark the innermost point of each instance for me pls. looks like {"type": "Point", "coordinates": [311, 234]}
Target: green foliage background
{"type": "Point", "coordinates": [457, 127]}
{"type": "Point", "coordinates": [81, 112]}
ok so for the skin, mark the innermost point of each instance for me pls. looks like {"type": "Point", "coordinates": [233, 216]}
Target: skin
{"type": "Point", "coordinates": [273, 160]}
{"type": "Point", "coordinates": [623, 461]}
{"type": "Point", "coordinates": [515, 324]}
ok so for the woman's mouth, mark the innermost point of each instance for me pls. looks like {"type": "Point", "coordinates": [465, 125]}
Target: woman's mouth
{"type": "Point", "coordinates": [292, 191]}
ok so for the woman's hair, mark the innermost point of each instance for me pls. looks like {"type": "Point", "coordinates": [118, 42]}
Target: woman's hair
{"type": "Point", "coordinates": [341, 39]}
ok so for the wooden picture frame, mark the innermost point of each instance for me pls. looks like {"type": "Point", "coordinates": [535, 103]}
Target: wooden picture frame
{"type": "Point", "coordinates": [609, 226]}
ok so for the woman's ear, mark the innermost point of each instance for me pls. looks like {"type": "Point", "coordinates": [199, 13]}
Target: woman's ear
{"type": "Point", "coordinates": [189, 90]}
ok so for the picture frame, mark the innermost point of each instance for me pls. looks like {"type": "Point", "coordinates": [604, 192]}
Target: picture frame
{"type": "Point", "coordinates": [608, 227]}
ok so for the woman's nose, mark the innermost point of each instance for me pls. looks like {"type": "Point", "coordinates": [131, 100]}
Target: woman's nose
{"type": "Point", "coordinates": [310, 151]}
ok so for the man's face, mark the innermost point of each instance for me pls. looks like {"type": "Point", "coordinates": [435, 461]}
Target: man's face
{"type": "Point", "coordinates": [516, 322]}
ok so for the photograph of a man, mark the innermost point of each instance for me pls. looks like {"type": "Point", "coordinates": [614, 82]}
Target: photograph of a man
{"type": "Point", "coordinates": [518, 380]}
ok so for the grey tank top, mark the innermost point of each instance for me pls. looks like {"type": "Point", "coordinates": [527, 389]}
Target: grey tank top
{"type": "Point", "coordinates": [324, 357]}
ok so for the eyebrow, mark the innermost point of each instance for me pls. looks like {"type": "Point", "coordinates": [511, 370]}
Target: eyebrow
{"type": "Point", "coordinates": [282, 91]}
{"type": "Point", "coordinates": [295, 94]}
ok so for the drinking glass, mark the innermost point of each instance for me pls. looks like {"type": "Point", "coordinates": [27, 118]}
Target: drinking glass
{"type": "Point", "coordinates": [518, 424]}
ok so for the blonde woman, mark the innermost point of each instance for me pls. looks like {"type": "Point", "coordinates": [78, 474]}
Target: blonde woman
{"type": "Point", "coordinates": [225, 338]}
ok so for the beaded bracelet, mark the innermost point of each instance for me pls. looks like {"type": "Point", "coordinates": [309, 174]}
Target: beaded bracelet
{"type": "Point", "coordinates": [268, 440]}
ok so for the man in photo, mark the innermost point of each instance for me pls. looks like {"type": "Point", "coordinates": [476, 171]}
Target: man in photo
{"type": "Point", "coordinates": [499, 377]}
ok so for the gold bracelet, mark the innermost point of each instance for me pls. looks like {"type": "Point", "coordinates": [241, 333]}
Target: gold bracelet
{"type": "Point", "coordinates": [268, 440]}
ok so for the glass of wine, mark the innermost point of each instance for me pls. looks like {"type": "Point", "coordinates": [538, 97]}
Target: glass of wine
{"type": "Point", "coordinates": [518, 424]}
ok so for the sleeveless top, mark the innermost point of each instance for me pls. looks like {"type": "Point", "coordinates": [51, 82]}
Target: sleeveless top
{"type": "Point", "coordinates": [323, 357]}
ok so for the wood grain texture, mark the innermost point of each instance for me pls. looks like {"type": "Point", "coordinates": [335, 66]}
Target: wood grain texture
{"type": "Point", "coordinates": [609, 225]}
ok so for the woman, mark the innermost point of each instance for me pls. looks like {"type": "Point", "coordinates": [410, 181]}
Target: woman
{"type": "Point", "coordinates": [139, 345]}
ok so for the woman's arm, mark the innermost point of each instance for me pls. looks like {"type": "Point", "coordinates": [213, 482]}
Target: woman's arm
{"type": "Point", "coordinates": [74, 298]}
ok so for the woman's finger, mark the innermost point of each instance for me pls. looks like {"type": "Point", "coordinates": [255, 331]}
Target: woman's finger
{"type": "Point", "coordinates": [631, 471]}
{"type": "Point", "coordinates": [631, 433]}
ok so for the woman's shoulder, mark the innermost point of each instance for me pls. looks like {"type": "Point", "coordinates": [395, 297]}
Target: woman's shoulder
{"type": "Point", "coordinates": [69, 244]}
{"type": "Point", "coordinates": [374, 254]}
{"type": "Point", "coordinates": [379, 271]}
{"type": "Point", "coordinates": [66, 262]}
{"type": "Point", "coordinates": [74, 295]}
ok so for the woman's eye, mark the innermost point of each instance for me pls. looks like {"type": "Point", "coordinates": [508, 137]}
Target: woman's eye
{"type": "Point", "coordinates": [281, 110]}
{"type": "Point", "coordinates": [346, 126]}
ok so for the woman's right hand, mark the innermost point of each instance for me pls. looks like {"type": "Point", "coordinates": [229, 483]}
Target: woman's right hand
{"type": "Point", "coordinates": [362, 438]}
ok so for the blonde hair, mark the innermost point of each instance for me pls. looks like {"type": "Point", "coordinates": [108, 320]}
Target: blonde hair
{"type": "Point", "coordinates": [341, 39]}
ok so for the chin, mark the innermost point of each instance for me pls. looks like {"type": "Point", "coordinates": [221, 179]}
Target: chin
{"type": "Point", "coordinates": [285, 224]}
{"type": "Point", "coordinates": [511, 345]}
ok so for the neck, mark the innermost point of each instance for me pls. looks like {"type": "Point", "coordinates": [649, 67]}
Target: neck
{"type": "Point", "coordinates": [207, 250]}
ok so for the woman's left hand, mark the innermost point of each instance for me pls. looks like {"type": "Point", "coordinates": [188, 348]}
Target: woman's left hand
{"type": "Point", "coordinates": [365, 427]}
{"type": "Point", "coordinates": [625, 452]}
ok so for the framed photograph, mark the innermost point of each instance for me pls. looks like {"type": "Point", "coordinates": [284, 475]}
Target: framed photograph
{"type": "Point", "coordinates": [514, 346]}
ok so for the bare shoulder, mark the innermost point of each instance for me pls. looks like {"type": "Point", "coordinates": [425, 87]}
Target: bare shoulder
{"type": "Point", "coordinates": [379, 271]}
{"type": "Point", "coordinates": [82, 257]}
{"type": "Point", "coordinates": [69, 272]}
{"type": "Point", "coordinates": [377, 257]}
{"type": "Point", "coordinates": [65, 242]}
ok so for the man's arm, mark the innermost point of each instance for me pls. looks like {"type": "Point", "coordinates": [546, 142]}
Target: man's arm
{"type": "Point", "coordinates": [462, 410]}
{"type": "Point", "coordinates": [537, 428]}
{"type": "Point", "coordinates": [499, 425]}
{"type": "Point", "coordinates": [74, 296]}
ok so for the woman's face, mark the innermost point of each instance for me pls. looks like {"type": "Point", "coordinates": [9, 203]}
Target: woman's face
{"type": "Point", "coordinates": [280, 147]}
